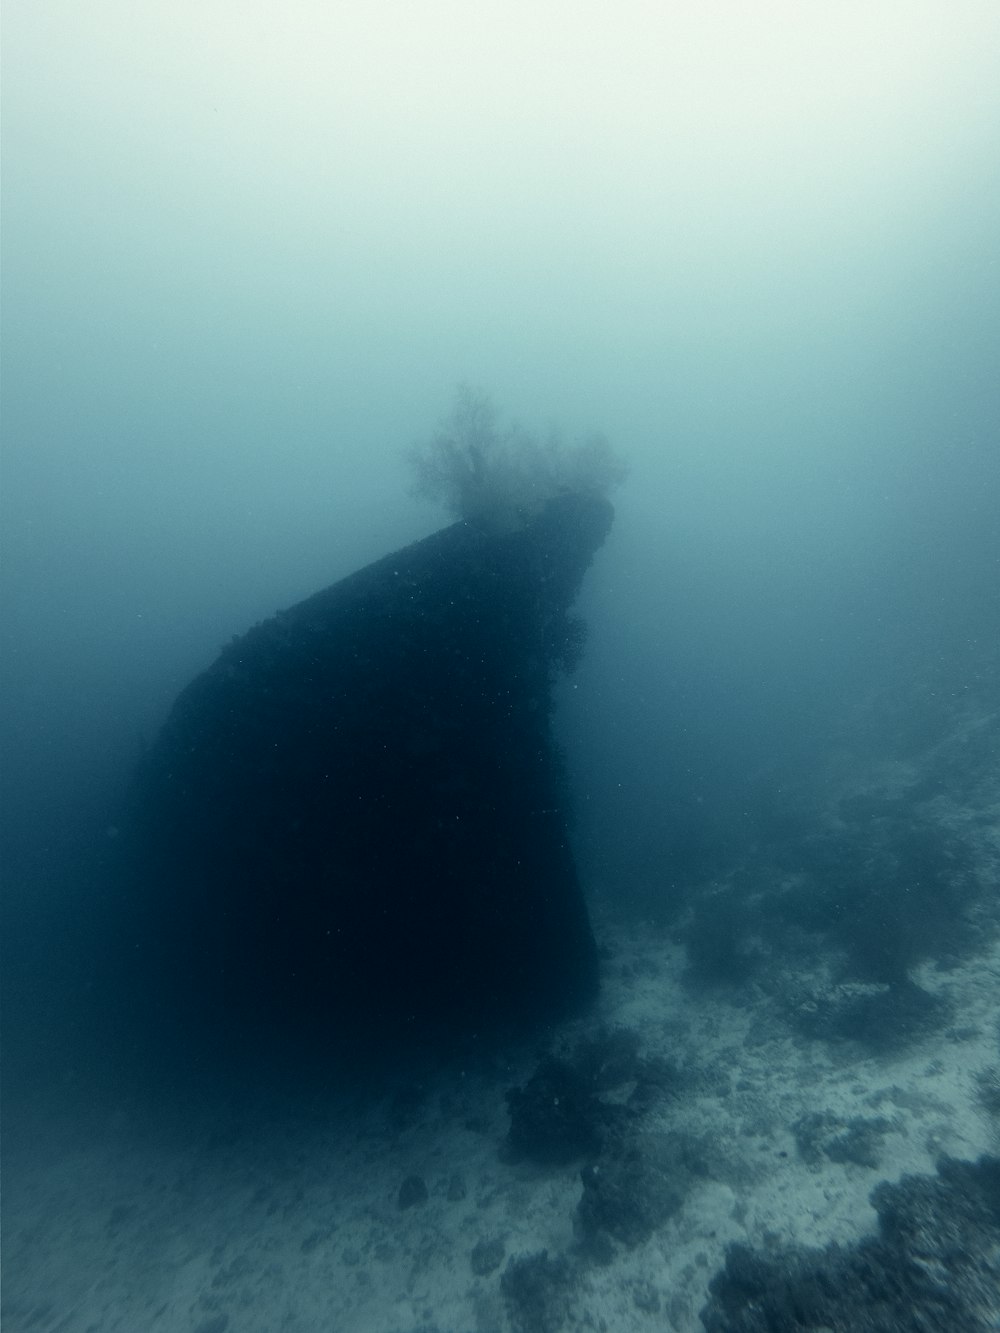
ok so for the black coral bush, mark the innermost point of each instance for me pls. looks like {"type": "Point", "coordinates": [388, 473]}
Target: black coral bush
{"type": "Point", "coordinates": [498, 476]}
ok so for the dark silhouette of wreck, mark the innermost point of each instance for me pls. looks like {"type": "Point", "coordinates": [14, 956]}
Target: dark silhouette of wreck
{"type": "Point", "coordinates": [356, 818]}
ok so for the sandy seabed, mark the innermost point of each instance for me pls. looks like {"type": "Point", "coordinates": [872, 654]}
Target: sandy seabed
{"type": "Point", "coordinates": [234, 1219]}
